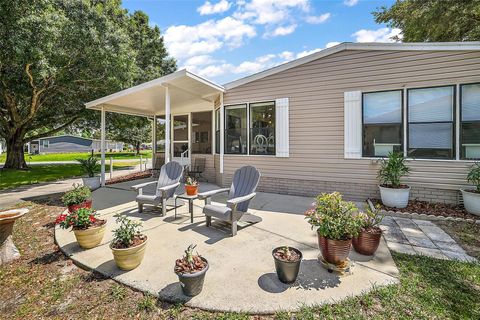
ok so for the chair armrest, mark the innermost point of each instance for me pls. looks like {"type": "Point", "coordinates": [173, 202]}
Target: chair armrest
{"type": "Point", "coordinates": [140, 186]}
{"type": "Point", "coordinates": [164, 189]}
{"type": "Point", "coordinates": [208, 194]}
{"type": "Point", "coordinates": [232, 203]}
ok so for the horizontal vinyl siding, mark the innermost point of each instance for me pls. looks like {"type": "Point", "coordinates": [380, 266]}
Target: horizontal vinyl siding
{"type": "Point", "coordinates": [316, 92]}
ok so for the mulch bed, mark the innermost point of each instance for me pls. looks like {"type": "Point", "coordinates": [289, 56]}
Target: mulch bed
{"type": "Point", "coordinates": [436, 209]}
{"type": "Point", "coordinates": [130, 177]}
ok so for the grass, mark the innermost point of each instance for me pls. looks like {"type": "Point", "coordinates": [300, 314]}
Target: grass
{"type": "Point", "coordinates": [45, 284]}
{"type": "Point", "coordinates": [465, 233]}
{"type": "Point", "coordinates": [74, 156]}
{"type": "Point", "coordinates": [44, 173]}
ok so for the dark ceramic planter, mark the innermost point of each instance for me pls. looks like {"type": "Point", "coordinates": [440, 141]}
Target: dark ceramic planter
{"type": "Point", "coordinates": [367, 243]}
{"type": "Point", "coordinates": [287, 272]}
{"type": "Point", "coordinates": [74, 207]}
{"type": "Point", "coordinates": [334, 251]}
{"type": "Point", "coordinates": [192, 283]}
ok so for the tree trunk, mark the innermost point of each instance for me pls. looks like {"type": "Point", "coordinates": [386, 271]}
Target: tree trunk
{"type": "Point", "coordinates": [137, 147]}
{"type": "Point", "coordinates": [15, 154]}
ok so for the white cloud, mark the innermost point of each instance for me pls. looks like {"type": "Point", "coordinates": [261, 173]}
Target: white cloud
{"type": "Point", "coordinates": [281, 31]}
{"type": "Point", "coordinates": [269, 11]}
{"type": "Point", "coordinates": [186, 41]}
{"type": "Point", "coordinates": [307, 52]}
{"type": "Point", "coordinates": [350, 3]}
{"type": "Point", "coordinates": [209, 8]}
{"type": "Point", "coordinates": [287, 55]}
{"type": "Point", "coordinates": [332, 44]}
{"type": "Point", "coordinates": [379, 35]}
{"type": "Point", "coordinates": [318, 19]}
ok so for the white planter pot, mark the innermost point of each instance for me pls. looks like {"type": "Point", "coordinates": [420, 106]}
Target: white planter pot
{"type": "Point", "coordinates": [471, 201]}
{"type": "Point", "coordinates": [394, 198]}
{"type": "Point", "coordinates": [92, 183]}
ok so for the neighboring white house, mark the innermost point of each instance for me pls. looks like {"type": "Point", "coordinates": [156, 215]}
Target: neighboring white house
{"type": "Point", "coordinates": [2, 146]}
{"type": "Point", "coordinates": [69, 143]}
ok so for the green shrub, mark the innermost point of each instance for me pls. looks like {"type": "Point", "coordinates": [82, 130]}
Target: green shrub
{"type": "Point", "coordinates": [370, 218]}
{"type": "Point", "coordinates": [123, 236]}
{"type": "Point", "coordinates": [334, 218]}
{"type": "Point", "coordinates": [89, 166]}
{"type": "Point", "coordinates": [392, 169]}
{"type": "Point", "coordinates": [77, 195]}
{"type": "Point", "coordinates": [474, 175]}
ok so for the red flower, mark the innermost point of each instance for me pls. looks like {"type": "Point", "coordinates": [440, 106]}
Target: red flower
{"type": "Point", "coordinates": [92, 219]}
{"type": "Point", "coordinates": [60, 218]}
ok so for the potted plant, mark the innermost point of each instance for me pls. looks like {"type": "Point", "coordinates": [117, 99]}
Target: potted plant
{"type": "Point", "coordinates": [336, 225]}
{"type": "Point", "coordinates": [392, 169]}
{"type": "Point", "coordinates": [87, 228]}
{"type": "Point", "coordinates": [78, 197]}
{"type": "Point", "coordinates": [90, 167]}
{"type": "Point", "coordinates": [368, 239]}
{"type": "Point", "coordinates": [128, 244]}
{"type": "Point", "coordinates": [191, 270]}
{"type": "Point", "coordinates": [471, 197]}
{"type": "Point", "coordinates": [287, 263]}
{"type": "Point", "coordinates": [191, 186]}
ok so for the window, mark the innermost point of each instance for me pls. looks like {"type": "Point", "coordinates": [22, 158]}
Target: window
{"type": "Point", "coordinates": [201, 132]}
{"type": "Point", "coordinates": [431, 123]}
{"type": "Point", "coordinates": [470, 121]}
{"type": "Point", "coordinates": [262, 128]}
{"type": "Point", "coordinates": [382, 123]}
{"type": "Point", "coordinates": [45, 143]}
{"type": "Point", "coordinates": [217, 131]}
{"type": "Point", "coordinates": [236, 129]}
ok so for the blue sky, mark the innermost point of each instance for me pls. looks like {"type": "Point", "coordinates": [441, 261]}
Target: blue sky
{"type": "Point", "coordinates": [224, 40]}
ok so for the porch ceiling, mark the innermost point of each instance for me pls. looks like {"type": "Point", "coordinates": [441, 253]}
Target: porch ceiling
{"type": "Point", "coordinates": [148, 99]}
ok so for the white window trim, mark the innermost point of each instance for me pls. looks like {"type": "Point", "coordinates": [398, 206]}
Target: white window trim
{"type": "Point", "coordinates": [457, 122]}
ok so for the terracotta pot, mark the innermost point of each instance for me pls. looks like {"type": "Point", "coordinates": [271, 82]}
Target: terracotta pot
{"type": "Point", "coordinates": [129, 258]}
{"type": "Point", "coordinates": [86, 204]}
{"type": "Point", "coordinates": [334, 251]}
{"type": "Point", "coordinates": [91, 237]}
{"type": "Point", "coordinates": [191, 190]}
{"type": "Point", "coordinates": [367, 242]}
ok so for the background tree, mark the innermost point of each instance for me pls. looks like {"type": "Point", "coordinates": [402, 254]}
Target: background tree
{"type": "Point", "coordinates": [55, 55]}
{"type": "Point", "coordinates": [433, 20]}
{"type": "Point", "coordinates": [129, 129]}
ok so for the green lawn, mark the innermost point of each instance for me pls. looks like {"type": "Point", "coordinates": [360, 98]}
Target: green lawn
{"type": "Point", "coordinates": [74, 156]}
{"type": "Point", "coordinates": [43, 173]}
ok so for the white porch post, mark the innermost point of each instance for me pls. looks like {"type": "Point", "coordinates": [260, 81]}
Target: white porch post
{"type": "Point", "coordinates": [167, 124]}
{"type": "Point", "coordinates": [154, 138]}
{"type": "Point", "coordinates": [102, 147]}
{"type": "Point", "coordinates": [222, 132]}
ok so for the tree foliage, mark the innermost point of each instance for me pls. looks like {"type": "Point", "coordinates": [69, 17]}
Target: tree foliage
{"type": "Point", "coordinates": [433, 20]}
{"type": "Point", "coordinates": [55, 55]}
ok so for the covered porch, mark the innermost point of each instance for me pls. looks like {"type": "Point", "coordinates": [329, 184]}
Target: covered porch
{"type": "Point", "coordinates": [182, 108]}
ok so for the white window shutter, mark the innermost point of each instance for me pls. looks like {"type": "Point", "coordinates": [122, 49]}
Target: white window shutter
{"type": "Point", "coordinates": [281, 128]}
{"type": "Point", "coordinates": [353, 124]}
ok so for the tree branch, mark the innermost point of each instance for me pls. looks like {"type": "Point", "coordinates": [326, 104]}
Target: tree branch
{"type": "Point", "coordinates": [49, 133]}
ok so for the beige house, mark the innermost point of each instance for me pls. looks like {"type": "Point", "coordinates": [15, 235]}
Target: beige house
{"type": "Point", "coordinates": [320, 123]}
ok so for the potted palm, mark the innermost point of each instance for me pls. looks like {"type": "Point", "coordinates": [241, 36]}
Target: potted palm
{"type": "Point", "coordinates": [471, 197]}
{"type": "Point", "coordinates": [393, 193]}
{"type": "Point", "coordinates": [90, 168]}
{"type": "Point", "coordinates": [191, 270]}
{"type": "Point", "coordinates": [78, 197]}
{"type": "Point", "coordinates": [128, 244]}
{"type": "Point", "coordinates": [336, 224]}
{"type": "Point", "coordinates": [287, 263]}
{"type": "Point", "coordinates": [88, 229]}
{"type": "Point", "coordinates": [368, 239]}
{"type": "Point", "coordinates": [191, 186]}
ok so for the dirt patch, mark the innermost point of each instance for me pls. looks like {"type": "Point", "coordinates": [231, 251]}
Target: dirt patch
{"type": "Point", "coordinates": [465, 234]}
{"type": "Point", "coordinates": [130, 177]}
{"type": "Point", "coordinates": [436, 209]}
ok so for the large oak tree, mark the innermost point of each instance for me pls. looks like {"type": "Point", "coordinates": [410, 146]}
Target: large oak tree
{"type": "Point", "coordinates": [57, 54]}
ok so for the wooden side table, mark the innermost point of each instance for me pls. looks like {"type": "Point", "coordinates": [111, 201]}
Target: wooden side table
{"type": "Point", "coordinates": [190, 204]}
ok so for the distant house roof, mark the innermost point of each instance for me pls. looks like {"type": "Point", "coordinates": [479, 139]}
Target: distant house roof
{"type": "Point", "coordinates": [421, 46]}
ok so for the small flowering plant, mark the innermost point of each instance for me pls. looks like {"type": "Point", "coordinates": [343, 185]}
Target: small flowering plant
{"type": "Point", "coordinates": [79, 220]}
{"type": "Point", "coordinates": [333, 217]}
{"type": "Point", "coordinates": [370, 219]}
{"type": "Point", "coordinates": [191, 182]}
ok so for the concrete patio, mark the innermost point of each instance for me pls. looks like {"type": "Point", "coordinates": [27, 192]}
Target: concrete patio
{"type": "Point", "coordinates": [242, 275]}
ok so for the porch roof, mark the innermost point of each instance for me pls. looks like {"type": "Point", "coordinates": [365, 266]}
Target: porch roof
{"type": "Point", "coordinates": [148, 99]}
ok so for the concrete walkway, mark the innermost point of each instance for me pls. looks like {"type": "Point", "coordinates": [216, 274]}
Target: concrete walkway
{"type": "Point", "coordinates": [421, 237]}
{"type": "Point", "coordinates": [242, 276]}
